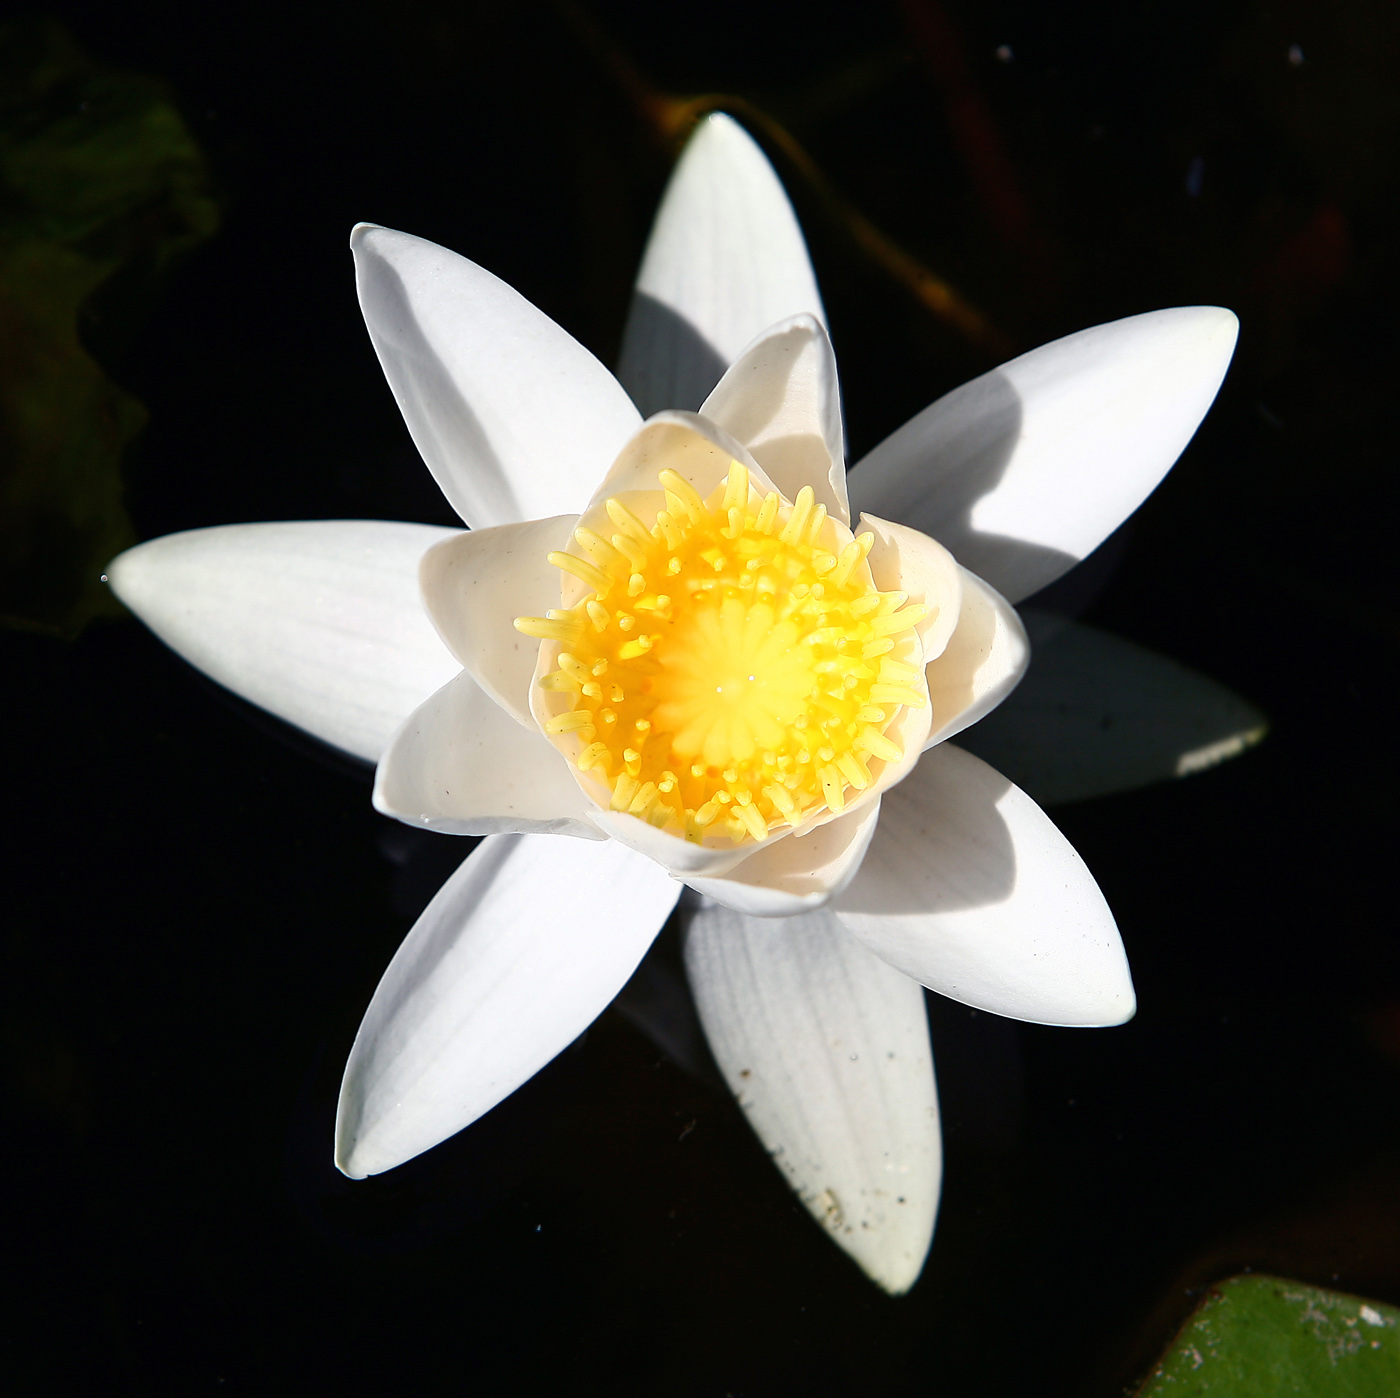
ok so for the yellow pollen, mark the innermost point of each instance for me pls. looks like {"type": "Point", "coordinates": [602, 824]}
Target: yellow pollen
{"type": "Point", "coordinates": [754, 679]}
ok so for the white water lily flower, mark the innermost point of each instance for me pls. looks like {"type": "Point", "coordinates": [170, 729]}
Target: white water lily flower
{"type": "Point", "coordinates": [675, 660]}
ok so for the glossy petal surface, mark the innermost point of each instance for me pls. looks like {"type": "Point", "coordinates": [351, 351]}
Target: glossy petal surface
{"type": "Point", "coordinates": [799, 874]}
{"type": "Point", "coordinates": [320, 623]}
{"type": "Point", "coordinates": [476, 584]}
{"type": "Point", "coordinates": [983, 662]}
{"type": "Point", "coordinates": [1026, 470]}
{"type": "Point", "coordinates": [969, 888]}
{"type": "Point", "coordinates": [462, 765]}
{"type": "Point", "coordinates": [687, 443]}
{"type": "Point", "coordinates": [781, 399]}
{"type": "Point", "coordinates": [515, 957]}
{"type": "Point", "coordinates": [515, 419]}
{"type": "Point", "coordinates": [827, 1050]}
{"type": "Point", "coordinates": [725, 260]}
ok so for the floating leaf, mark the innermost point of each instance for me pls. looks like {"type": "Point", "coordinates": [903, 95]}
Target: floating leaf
{"type": "Point", "coordinates": [1097, 714]}
{"type": "Point", "coordinates": [1264, 1337]}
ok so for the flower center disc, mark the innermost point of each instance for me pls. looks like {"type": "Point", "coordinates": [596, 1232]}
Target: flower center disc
{"type": "Point", "coordinates": [733, 668]}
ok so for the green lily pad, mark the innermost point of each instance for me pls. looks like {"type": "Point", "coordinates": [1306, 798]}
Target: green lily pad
{"type": "Point", "coordinates": [1264, 1337]}
{"type": "Point", "coordinates": [101, 184]}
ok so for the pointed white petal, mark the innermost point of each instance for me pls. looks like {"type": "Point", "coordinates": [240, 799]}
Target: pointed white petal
{"type": "Point", "coordinates": [983, 663]}
{"type": "Point", "coordinates": [519, 952]}
{"type": "Point", "coordinates": [515, 419]}
{"type": "Point", "coordinates": [461, 764]}
{"type": "Point", "coordinates": [1097, 714]}
{"type": "Point", "coordinates": [318, 622]}
{"type": "Point", "coordinates": [796, 875]}
{"type": "Point", "coordinates": [1028, 469]}
{"type": "Point", "coordinates": [969, 888]}
{"type": "Point", "coordinates": [725, 260]}
{"type": "Point", "coordinates": [476, 584]}
{"type": "Point", "coordinates": [827, 1050]}
{"type": "Point", "coordinates": [780, 398]}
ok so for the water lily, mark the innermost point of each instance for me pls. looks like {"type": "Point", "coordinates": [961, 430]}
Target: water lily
{"type": "Point", "coordinates": [674, 653]}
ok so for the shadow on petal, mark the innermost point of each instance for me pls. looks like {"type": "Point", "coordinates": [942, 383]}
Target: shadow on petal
{"type": "Point", "coordinates": [933, 472]}
{"type": "Point", "coordinates": [441, 421]}
{"type": "Point", "coordinates": [1097, 714]}
{"type": "Point", "coordinates": [826, 1049]}
{"type": "Point", "coordinates": [666, 362]}
{"type": "Point", "coordinates": [970, 889]}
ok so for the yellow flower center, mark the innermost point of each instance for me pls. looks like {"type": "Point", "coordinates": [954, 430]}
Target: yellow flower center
{"type": "Point", "coordinates": [733, 668]}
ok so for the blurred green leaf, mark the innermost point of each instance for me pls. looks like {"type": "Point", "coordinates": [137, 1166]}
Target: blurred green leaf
{"type": "Point", "coordinates": [1260, 1336]}
{"type": "Point", "coordinates": [99, 180]}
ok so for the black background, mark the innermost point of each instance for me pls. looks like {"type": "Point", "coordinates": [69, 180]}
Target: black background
{"type": "Point", "coordinates": [198, 906]}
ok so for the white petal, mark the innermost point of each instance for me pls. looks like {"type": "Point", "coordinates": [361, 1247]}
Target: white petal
{"type": "Point", "coordinates": [796, 875]}
{"type": "Point", "coordinates": [515, 957]}
{"type": "Point", "coordinates": [318, 622]}
{"type": "Point", "coordinates": [1028, 469]}
{"type": "Point", "coordinates": [515, 419]}
{"type": "Point", "coordinates": [725, 260]}
{"type": "Point", "coordinates": [680, 857]}
{"type": "Point", "coordinates": [969, 888]}
{"type": "Point", "coordinates": [983, 663]}
{"type": "Point", "coordinates": [476, 584]}
{"type": "Point", "coordinates": [904, 560]}
{"type": "Point", "coordinates": [691, 445]}
{"type": "Point", "coordinates": [461, 764]}
{"type": "Point", "coordinates": [1097, 714]}
{"type": "Point", "coordinates": [827, 1050]}
{"type": "Point", "coordinates": [780, 398]}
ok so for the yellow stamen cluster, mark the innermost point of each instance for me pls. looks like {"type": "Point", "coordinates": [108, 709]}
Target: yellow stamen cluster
{"type": "Point", "coordinates": [732, 668]}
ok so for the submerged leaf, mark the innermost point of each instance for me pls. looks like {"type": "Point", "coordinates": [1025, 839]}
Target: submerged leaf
{"type": "Point", "coordinates": [100, 184]}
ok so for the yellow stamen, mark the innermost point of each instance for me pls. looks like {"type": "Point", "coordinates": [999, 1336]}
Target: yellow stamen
{"type": "Point", "coordinates": [629, 523]}
{"type": "Point", "coordinates": [598, 549]}
{"type": "Point", "coordinates": [570, 722]}
{"type": "Point", "coordinates": [874, 742]}
{"type": "Point", "coordinates": [736, 489]}
{"type": "Point", "coordinates": [897, 694]}
{"type": "Point", "coordinates": [899, 621]}
{"type": "Point", "coordinates": [797, 520]}
{"type": "Point", "coordinates": [851, 555]}
{"type": "Point", "coordinates": [548, 628]}
{"type": "Point", "coordinates": [756, 660]}
{"type": "Point", "coordinates": [630, 549]}
{"type": "Point", "coordinates": [582, 569]}
{"type": "Point", "coordinates": [678, 485]}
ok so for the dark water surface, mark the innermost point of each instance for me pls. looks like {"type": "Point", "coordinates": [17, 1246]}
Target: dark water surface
{"type": "Point", "coordinates": [198, 905]}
